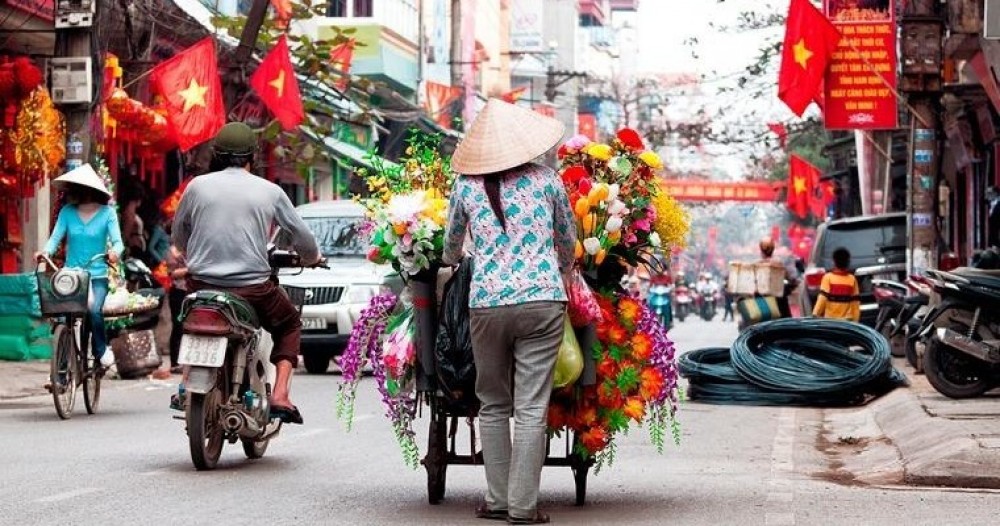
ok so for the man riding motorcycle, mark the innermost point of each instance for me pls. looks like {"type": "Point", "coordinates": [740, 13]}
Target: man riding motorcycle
{"type": "Point", "coordinates": [222, 225]}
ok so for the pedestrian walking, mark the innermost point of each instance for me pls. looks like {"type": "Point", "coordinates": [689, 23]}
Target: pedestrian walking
{"type": "Point", "coordinates": [177, 269]}
{"type": "Point", "coordinates": [839, 295]}
{"type": "Point", "coordinates": [89, 226]}
{"type": "Point", "coordinates": [524, 234]}
{"type": "Point", "coordinates": [727, 297]}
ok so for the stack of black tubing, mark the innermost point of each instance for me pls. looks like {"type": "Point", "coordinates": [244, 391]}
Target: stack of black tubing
{"type": "Point", "coordinates": [794, 362]}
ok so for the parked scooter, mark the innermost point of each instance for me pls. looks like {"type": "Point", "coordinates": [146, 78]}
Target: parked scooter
{"type": "Point", "coordinates": [962, 331]}
{"type": "Point", "coordinates": [890, 296]}
{"type": "Point", "coordinates": [230, 377]}
{"type": "Point", "coordinates": [911, 318]}
{"type": "Point", "coordinates": [683, 302]}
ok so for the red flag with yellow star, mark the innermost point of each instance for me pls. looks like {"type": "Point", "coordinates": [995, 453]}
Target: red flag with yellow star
{"type": "Point", "coordinates": [275, 83]}
{"type": "Point", "coordinates": [810, 40]}
{"type": "Point", "coordinates": [801, 178]}
{"type": "Point", "coordinates": [341, 58]}
{"type": "Point", "coordinates": [189, 84]}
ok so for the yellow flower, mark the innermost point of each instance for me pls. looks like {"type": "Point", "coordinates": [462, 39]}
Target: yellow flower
{"type": "Point", "coordinates": [588, 224]}
{"type": "Point", "coordinates": [578, 251]}
{"type": "Point", "coordinates": [601, 152]}
{"type": "Point", "coordinates": [582, 207]}
{"type": "Point", "coordinates": [651, 159]}
{"type": "Point", "coordinates": [672, 221]}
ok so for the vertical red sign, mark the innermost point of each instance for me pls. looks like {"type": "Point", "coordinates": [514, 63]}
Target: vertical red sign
{"type": "Point", "coordinates": [587, 125]}
{"type": "Point", "coordinates": [861, 80]}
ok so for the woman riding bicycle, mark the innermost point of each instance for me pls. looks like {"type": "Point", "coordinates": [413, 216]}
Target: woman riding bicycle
{"type": "Point", "coordinates": [89, 225]}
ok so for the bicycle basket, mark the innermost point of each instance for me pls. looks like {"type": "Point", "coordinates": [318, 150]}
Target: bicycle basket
{"type": "Point", "coordinates": [65, 291]}
{"type": "Point", "coordinates": [297, 295]}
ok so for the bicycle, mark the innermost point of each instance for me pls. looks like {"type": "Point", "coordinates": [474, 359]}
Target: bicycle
{"type": "Point", "coordinates": [63, 294]}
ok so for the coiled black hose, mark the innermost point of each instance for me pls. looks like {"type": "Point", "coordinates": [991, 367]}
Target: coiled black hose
{"type": "Point", "coordinates": [803, 362]}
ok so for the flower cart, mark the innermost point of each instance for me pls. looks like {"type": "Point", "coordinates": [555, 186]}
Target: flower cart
{"type": "Point", "coordinates": [616, 366]}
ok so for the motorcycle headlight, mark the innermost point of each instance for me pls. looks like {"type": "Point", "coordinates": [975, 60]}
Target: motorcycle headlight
{"type": "Point", "coordinates": [65, 284]}
{"type": "Point", "coordinates": [360, 293]}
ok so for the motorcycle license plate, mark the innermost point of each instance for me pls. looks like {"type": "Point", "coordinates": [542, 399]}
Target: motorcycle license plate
{"type": "Point", "coordinates": [202, 351]}
{"type": "Point", "coordinates": [313, 323]}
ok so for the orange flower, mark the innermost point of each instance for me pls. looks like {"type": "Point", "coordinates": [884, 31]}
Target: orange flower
{"type": "Point", "coordinates": [618, 335]}
{"type": "Point", "coordinates": [594, 439]}
{"type": "Point", "coordinates": [557, 417]}
{"type": "Point", "coordinates": [650, 383]}
{"type": "Point", "coordinates": [642, 346]}
{"type": "Point", "coordinates": [629, 309]}
{"type": "Point", "coordinates": [578, 251]}
{"type": "Point", "coordinates": [607, 368]}
{"type": "Point", "coordinates": [586, 416]}
{"type": "Point", "coordinates": [610, 397]}
{"type": "Point", "coordinates": [635, 409]}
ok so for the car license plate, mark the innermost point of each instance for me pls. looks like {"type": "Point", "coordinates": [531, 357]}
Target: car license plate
{"type": "Point", "coordinates": [313, 323]}
{"type": "Point", "coordinates": [202, 351]}
{"type": "Point", "coordinates": [886, 276]}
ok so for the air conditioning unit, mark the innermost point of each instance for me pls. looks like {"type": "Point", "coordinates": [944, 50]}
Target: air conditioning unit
{"type": "Point", "coordinates": [991, 20]}
{"type": "Point", "coordinates": [74, 13]}
{"type": "Point", "coordinates": [72, 80]}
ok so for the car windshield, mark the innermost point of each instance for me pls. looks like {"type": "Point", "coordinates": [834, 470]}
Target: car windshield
{"type": "Point", "coordinates": [868, 243]}
{"type": "Point", "coordinates": [336, 236]}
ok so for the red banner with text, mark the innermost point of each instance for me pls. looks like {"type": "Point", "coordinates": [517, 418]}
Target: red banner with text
{"type": "Point", "coordinates": [694, 190]}
{"type": "Point", "coordinates": [861, 80]}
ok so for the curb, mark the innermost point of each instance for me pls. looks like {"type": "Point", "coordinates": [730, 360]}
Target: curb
{"type": "Point", "coordinates": [935, 451]}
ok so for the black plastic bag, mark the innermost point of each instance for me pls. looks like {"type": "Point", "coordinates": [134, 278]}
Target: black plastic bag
{"type": "Point", "coordinates": [456, 367]}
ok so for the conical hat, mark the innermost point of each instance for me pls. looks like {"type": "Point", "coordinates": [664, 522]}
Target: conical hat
{"type": "Point", "coordinates": [85, 176]}
{"type": "Point", "coordinates": [504, 136]}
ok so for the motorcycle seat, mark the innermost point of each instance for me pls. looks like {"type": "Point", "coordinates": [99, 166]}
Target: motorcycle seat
{"type": "Point", "coordinates": [244, 312]}
{"type": "Point", "coordinates": [976, 272]}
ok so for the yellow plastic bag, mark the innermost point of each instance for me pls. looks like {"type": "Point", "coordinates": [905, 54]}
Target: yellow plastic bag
{"type": "Point", "coordinates": [569, 362]}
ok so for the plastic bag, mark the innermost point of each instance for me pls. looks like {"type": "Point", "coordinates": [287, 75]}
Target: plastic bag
{"type": "Point", "coordinates": [583, 308]}
{"type": "Point", "coordinates": [569, 362]}
{"type": "Point", "coordinates": [456, 367]}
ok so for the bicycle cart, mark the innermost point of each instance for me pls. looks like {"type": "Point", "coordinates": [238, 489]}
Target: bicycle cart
{"type": "Point", "coordinates": [442, 449]}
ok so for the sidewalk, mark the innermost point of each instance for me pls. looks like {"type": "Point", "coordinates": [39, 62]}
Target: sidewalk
{"type": "Point", "coordinates": [938, 441]}
{"type": "Point", "coordinates": [20, 379]}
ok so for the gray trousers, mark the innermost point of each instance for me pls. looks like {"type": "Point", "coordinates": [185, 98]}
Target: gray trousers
{"type": "Point", "coordinates": [515, 349]}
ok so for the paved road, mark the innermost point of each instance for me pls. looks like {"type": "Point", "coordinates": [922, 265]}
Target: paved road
{"type": "Point", "coordinates": [129, 464]}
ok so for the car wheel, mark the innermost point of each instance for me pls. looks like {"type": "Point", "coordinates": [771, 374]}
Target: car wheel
{"type": "Point", "coordinates": [317, 362]}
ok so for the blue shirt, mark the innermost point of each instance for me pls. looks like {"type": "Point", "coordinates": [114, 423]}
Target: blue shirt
{"type": "Point", "coordinates": [84, 240]}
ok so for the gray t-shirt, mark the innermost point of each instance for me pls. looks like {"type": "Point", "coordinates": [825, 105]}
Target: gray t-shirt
{"type": "Point", "coordinates": [223, 224]}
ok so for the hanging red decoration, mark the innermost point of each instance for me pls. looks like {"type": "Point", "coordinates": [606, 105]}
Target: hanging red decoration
{"type": "Point", "coordinates": [28, 76]}
{"type": "Point", "coordinates": [8, 82]}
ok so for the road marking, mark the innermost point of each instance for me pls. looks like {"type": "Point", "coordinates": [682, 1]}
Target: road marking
{"type": "Point", "coordinates": [781, 493]}
{"type": "Point", "coordinates": [67, 495]}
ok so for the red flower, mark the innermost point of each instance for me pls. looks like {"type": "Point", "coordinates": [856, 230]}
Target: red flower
{"type": "Point", "coordinates": [558, 418]}
{"type": "Point", "coordinates": [585, 185]}
{"type": "Point", "coordinates": [585, 417]}
{"type": "Point", "coordinates": [642, 346]}
{"type": "Point", "coordinates": [618, 335]}
{"type": "Point", "coordinates": [650, 383]}
{"type": "Point", "coordinates": [630, 139]}
{"type": "Point", "coordinates": [563, 151]}
{"type": "Point", "coordinates": [607, 368]}
{"type": "Point", "coordinates": [635, 409]}
{"type": "Point", "coordinates": [609, 397]}
{"type": "Point", "coordinates": [594, 439]}
{"type": "Point", "coordinates": [574, 174]}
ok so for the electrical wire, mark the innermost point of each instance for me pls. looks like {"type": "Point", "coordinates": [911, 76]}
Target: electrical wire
{"type": "Point", "coordinates": [801, 362]}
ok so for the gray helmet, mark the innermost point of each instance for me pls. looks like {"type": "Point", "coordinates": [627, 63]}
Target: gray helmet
{"type": "Point", "coordinates": [235, 138]}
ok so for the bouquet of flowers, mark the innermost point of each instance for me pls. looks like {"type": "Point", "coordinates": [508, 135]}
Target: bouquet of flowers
{"type": "Point", "coordinates": [408, 206]}
{"type": "Point", "coordinates": [620, 207]}
{"type": "Point", "coordinates": [636, 382]}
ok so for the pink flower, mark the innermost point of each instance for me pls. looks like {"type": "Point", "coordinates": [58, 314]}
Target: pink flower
{"type": "Point", "coordinates": [630, 238]}
{"type": "Point", "coordinates": [577, 142]}
{"type": "Point", "coordinates": [643, 224]}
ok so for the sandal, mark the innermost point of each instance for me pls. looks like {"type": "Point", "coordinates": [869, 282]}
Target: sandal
{"type": "Point", "coordinates": [539, 518]}
{"type": "Point", "coordinates": [287, 414]}
{"type": "Point", "coordinates": [484, 512]}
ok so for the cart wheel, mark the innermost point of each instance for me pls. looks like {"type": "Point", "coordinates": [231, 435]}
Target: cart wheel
{"type": "Point", "coordinates": [436, 461]}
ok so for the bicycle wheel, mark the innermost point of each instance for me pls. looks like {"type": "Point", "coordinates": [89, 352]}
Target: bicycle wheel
{"type": "Point", "coordinates": [90, 372]}
{"type": "Point", "coordinates": [63, 371]}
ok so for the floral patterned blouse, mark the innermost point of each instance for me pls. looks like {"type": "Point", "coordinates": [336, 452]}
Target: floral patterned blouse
{"type": "Point", "coordinates": [526, 263]}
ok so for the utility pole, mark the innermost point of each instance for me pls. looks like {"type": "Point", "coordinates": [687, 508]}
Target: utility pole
{"type": "Point", "coordinates": [922, 49]}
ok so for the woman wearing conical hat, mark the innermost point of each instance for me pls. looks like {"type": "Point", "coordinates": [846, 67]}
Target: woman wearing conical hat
{"type": "Point", "coordinates": [89, 225]}
{"type": "Point", "coordinates": [519, 218]}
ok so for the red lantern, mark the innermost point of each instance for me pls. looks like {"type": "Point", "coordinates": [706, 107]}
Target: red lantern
{"type": "Point", "coordinates": [117, 103]}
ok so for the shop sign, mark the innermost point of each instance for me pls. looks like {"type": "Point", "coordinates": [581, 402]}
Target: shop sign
{"type": "Point", "coordinates": [352, 134]}
{"type": "Point", "coordinates": [526, 26]}
{"type": "Point", "coordinates": [687, 190]}
{"type": "Point", "coordinates": [861, 80]}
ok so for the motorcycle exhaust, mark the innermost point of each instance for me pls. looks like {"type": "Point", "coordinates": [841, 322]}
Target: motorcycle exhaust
{"type": "Point", "coordinates": [237, 422]}
{"type": "Point", "coordinates": [978, 350]}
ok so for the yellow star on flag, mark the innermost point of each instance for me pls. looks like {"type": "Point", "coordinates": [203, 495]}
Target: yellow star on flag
{"type": "Point", "coordinates": [800, 185]}
{"type": "Point", "coordinates": [279, 83]}
{"type": "Point", "coordinates": [193, 95]}
{"type": "Point", "coordinates": [802, 53]}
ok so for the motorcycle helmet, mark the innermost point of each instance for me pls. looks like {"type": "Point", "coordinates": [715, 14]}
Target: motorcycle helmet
{"type": "Point", "coordinates": [235, 138]}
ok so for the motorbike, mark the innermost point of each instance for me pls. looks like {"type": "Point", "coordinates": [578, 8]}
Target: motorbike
{"type": "Point", "coordinates": [138, 276]}
{"type": "Point", "coordinates": [909, 320]}
{"type": "Point", "coordinates": [683, 302]}
{"type": "Point", "coordinates": [659, 302]}
{"type": "Point", "coordinates": [706, 305]}
{"type": "Point", "coordinates": [229, 373]}
{"type": "Point", "coordinates": [890, 297]}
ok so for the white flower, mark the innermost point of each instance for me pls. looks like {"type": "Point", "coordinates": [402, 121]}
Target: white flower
{"type": "Point", "coordinates": [617, 208]}
{"type": "Point", "coordinates": [613, 191]}
{"type": "Point", "coordinates": [614, 224]}
{"type": "Point", "coordinates": [406, 207]}
{"type": "Point", "coordinates": [592, 245]}
{"type": "Point", "coordinates": [654, 239]}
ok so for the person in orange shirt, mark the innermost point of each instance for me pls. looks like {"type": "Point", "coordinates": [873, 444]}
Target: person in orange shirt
{"type": "Point", "coordinates": [839, 296]}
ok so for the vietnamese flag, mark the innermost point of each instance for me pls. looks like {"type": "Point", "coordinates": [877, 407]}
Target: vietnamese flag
{"type": "Point", "coordinates": [514, 95]}
{"type": "Point", "coordinates": [275, 83]}
{"type": "Point", "coordinates": [341, 58]}
{"type": "Point", "coordinates": [802, 177]}
{"type": "Point", "coordinates": [189, 84]}
{"type": "Point", "coordinates": [810, 40]}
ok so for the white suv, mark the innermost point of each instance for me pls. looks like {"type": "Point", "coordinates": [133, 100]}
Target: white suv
{"type": "Point", "coordinates": [335, 297]}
